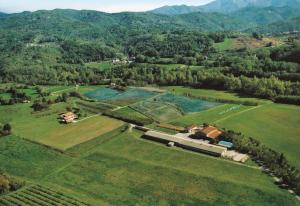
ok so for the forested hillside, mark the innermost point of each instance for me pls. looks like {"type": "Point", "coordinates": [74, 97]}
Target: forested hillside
{"type": "Point", "coordinates": [57, 47]}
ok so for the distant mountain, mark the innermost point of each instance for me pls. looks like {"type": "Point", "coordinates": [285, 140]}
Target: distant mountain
{"type": "Point", "coordinates": [292, 25]}
{"type": "Point", "coordinates": [94, 24]}
{"type": "Point", "coordinates": [226, 6]}
{"type": "Point", "coordinates": [264, 16]}
{"type": "Point", "coordinates": [177, 9]}
{"type": "Point", "coordinates": [119, 26]}
{"type": "Point", "coordinates": [2, 14]}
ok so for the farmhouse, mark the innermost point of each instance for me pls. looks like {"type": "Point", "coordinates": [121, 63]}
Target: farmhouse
{"type": "Point", "coordinates": [193, 129]}
{"type": "Point", "coordinates": [68, 117]}
{"type": "Point", "coordinates": [186, 144]}
{"type": "Point", "coordinates": [209, 132]}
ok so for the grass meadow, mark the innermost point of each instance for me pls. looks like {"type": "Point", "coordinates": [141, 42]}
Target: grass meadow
{"type": "Point", "coordinates": [44, 127]}
{"type": "Point", "coordinates": [127, 170]}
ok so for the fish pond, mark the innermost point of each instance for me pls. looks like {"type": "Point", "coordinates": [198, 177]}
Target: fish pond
{"type": "Point", "coordinates": [187, 104]}
{"type": "Point", "coordinates": [133, 95]}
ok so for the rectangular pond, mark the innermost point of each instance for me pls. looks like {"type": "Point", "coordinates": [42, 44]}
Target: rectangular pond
{"type": "Point", "coordinates": [106, 94]}
{"type": "Point", "coordinates": [187, 104]}
{"type": "Point", "coordinates": [182, 103]}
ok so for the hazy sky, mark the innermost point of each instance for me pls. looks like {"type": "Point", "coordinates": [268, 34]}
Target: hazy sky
{"type": "Point", "coordinates": [100, 5]}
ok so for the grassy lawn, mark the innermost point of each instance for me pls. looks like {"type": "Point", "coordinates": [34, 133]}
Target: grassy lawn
{"type": "Point", "coordinates": [44, 127]}
{"type": "Point", "coordinates": [127, 170]}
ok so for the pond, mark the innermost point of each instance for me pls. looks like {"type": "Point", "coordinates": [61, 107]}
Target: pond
{"type": "Point", "coordinates": [105, 94]}
{"type": "Point", "coordinates": [187, 104]}
{"type": "Point", "coordinates": [183, 103]}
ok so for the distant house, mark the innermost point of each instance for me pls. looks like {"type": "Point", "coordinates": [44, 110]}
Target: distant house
{"type": "Point", "coordinates": [209, 132]}
{"type": "Point", "coordinates": [68, 117]}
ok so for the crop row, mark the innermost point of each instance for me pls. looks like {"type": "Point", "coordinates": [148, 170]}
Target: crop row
{"type": "Point", "coordinates": [39, 196]}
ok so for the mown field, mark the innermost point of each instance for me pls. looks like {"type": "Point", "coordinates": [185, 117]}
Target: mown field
{"type": "Point", "coordinates": [44, 127]}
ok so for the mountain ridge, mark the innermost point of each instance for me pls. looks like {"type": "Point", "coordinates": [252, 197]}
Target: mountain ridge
{"type": "Point", "coordinates": [225, 6]}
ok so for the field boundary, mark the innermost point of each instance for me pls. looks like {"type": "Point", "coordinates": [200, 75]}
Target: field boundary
{"type": "Point", "coordinates": [238, 113]}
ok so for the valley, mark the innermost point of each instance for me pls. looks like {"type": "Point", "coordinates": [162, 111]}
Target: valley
{"type": "Point", "coordinates": [180, 105]}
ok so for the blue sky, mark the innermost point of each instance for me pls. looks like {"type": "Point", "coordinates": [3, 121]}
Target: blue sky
{"type": "Point", "coordinates": [100, 5]}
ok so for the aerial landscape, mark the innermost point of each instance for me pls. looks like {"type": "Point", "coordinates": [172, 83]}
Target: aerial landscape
{"type": "Point", "coordinates": [181, 103]}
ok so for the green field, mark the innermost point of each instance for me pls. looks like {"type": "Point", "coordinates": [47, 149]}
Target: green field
{"type": "Point", "coordinates": [128, 170]}
{"type": "Point", "coordinates": [213, 94]}
{"type": "Point", "coordinates": [130, 115]}
{"type": "Point", "coordinates": [43, 127]}
{"type": "Point", "coordinates": [212, 115]}
{"type": "Point", "coordinates": [39, 195]}
{"type": "Point", "coordinates": [124, 169]}
{"type": "Point", "coordinates": [102, 164]}
{"type": "Point", "coordinates": [245, 42]}
{"type": "Point", "coordinates": [276, 125]}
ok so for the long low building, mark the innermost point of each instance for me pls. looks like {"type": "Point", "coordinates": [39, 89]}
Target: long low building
{"type": "Point", "coordinates": [186, 144]}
